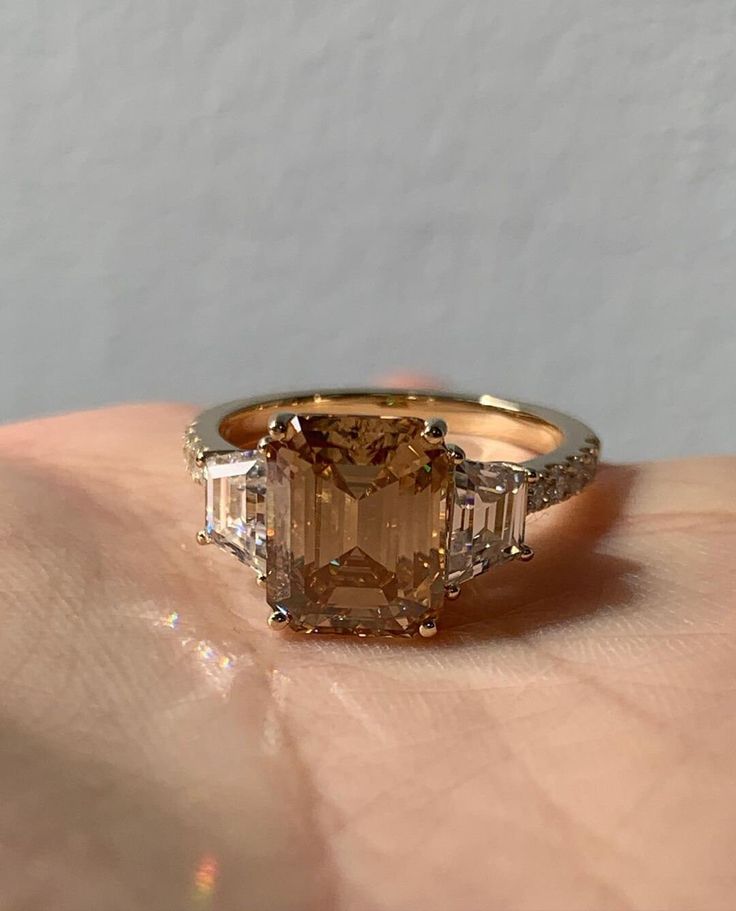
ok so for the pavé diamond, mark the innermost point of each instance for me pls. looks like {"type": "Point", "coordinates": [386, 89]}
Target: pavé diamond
{"type": "Point", "coordinates": [235, 505]}
{"type": "Point", "coordinates": [357, 524]}
{"type": "Point", "coordinates": [488, 518]}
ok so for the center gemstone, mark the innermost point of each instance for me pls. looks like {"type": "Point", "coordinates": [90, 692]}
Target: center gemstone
{"type": "Point", "coordinates": [357, 518]}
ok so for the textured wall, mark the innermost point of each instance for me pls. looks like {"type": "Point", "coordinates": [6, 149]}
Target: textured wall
{"type": "Point", "coordinates": [202, 200]}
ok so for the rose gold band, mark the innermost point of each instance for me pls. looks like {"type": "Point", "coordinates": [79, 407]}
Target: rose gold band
{"type": "Point", "coordinates": [566, 450]}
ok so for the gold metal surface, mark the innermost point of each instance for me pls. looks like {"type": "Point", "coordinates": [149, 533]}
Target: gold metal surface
{"type": "Point", "coordinates": [486, 421]}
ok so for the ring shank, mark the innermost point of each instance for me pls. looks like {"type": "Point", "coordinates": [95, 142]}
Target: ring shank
{"type": "Point", "coordinates": [566, 451]}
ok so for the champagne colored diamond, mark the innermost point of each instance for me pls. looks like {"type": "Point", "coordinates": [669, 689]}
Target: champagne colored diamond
{"type": "Point", "coordinates": [357, 524]}
{"type": "Point", "coordinates": [235, 505]}
{"type": "Point", "coordinates": [489, 516]}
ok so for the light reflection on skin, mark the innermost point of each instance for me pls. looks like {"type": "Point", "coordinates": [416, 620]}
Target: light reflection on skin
{"type": "Point", "coordinates": [205, 880]}
{"type": "Point", "coordinates": [272, 730]}
{"type": "Point", "coordinates": [218, 664]}
{"type": "Point", "coordinates": [171, 620]}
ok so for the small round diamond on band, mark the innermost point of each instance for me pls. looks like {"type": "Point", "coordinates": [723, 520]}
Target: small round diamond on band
{"type": "Point", "coordinates": [361, 513]}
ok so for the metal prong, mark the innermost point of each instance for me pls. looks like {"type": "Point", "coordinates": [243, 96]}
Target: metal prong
{"type": "Point", "coordinates": [452, 592]}
{"type": "Point", "coordinates": [203, 537]}
{"type": "Point", "coordinates": [435, 429]}
{"type": "Point", "coordinates": [263, 442]}
{"type": "Point", "coordinates": [458, 454]}
{"type": "Point", "coordinates": [428, 628]}
{"type": "Point", "coordinates": [278, 619]}
{"type": "Point", "coordinates": [279, 424]}
{"type": "Point", "coordinates": [199, 461]}
{"type": "Point", "coordinates": [519, 552]}
{"type": "Point", "coordinates": [261, 580]}
{"type": "Point", "coordinates": [526, 553]}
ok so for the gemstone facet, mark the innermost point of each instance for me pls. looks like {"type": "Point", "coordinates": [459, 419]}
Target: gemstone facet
{"type": "Point", "coordinates": [357, 518]}
{"type": "Point", "coordinates": [488, 520]}
{"type": "Point", "coordinates": [235, 505]}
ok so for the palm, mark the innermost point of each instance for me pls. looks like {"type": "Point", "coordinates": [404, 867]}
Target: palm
{"type": "Point", "coordinates": [565, 743]}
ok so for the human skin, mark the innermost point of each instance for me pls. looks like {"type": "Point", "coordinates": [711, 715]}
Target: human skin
{"type": "Point", "coordinates": [567, 741]}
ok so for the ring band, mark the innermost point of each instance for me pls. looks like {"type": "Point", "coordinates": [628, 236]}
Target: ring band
{"type": "Point", "coordinates": [360, 510]}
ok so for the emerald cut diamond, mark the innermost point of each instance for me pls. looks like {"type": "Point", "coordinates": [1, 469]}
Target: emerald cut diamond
{"type": "Point", "coordinates": [357, 515]}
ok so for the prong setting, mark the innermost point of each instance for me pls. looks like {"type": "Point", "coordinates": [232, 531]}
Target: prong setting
{"type": "Point", "coordinates": [521, 552]}
{"type": "Point", "coordinates": [456, 452]}
{"type": "Point", "coordinates": [428, 628]}
{"type": "Point", "coordinates": [435, 429]}
{"type": "Point", "coordinates": [264, 442]}
{"type": "Point", "coordinates": [452, 592]}
{"type": "Point", "coordinates": [278, 619]}
{"type": "Point", "coordinates": [203, 537]}
{"type": "Point", "coordinates": [279, 424]}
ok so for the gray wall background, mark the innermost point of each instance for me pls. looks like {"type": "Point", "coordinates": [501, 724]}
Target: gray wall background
{"type": "Point", "coordinates": [205, 200]}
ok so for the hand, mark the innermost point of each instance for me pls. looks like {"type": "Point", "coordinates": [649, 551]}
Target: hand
{"type": "Point", "coordinates": [566, 742]}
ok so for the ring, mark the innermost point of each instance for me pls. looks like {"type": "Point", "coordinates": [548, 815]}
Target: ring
{"type": "Point", "coordinates": [361, 511]}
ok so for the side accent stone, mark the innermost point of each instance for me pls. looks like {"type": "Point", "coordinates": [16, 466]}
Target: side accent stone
{"type": "Point", "coordinates": [235, 505]}
{"type": "Point", "coordinates": [488, 520]}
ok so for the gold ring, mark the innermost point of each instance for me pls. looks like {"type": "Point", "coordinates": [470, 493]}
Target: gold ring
{"type": "Point", "coordinates": [364, 511]}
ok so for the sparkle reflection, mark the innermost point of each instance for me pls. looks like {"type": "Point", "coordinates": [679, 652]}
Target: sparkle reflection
{"type": "Point", "coordinates": [219, 665]}
{"type": "Point", "coordinates": [205, 880]}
